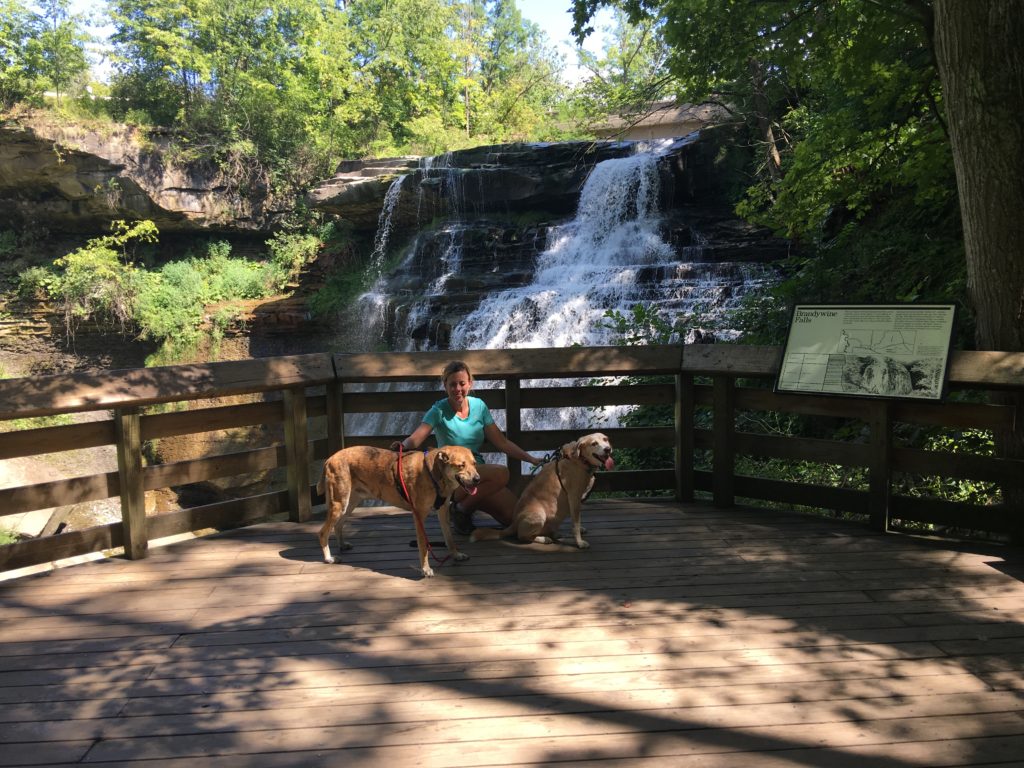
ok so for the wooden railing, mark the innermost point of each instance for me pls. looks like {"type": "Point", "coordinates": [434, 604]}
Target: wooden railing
{"type": "Point", "coordinates": [706, 386]}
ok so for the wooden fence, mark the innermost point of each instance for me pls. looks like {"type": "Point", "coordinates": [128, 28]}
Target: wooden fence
{"type": "Point", "coordinates": [704, 387]}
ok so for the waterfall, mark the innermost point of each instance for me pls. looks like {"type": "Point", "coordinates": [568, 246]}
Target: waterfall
{"type": "Point", "coordinates": [590, 266]}
{"type": "Point", "coordinates": [614, 254]}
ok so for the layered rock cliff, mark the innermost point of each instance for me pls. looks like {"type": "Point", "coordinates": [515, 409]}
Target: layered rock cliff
{"type": "Point", "coordinates": [77, 180]}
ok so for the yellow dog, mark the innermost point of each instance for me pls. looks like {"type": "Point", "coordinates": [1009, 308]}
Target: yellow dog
{"type": "Point", "coordinates": [427, 481]}
{"type": "Point", "coordinates": [556, 491]}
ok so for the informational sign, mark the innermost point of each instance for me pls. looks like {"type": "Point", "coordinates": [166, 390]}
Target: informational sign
{"type": "Point", "coordinates": [870, 350]}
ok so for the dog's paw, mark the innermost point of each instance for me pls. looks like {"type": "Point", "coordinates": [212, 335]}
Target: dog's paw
{"type": "Point", "coordinates": [582, 544]}
{"type": "Point", "coordinates": [461, 556]}
{"type": "Point", "coordinates": [544, 540]}
{"type": "Point", "coordinates": [329, 560]}
{"type": "Point", "coordinates": [428, 572]}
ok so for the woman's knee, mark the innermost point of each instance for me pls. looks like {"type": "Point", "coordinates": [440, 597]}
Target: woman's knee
{"type": "Point", "coordinates": [494, 474]}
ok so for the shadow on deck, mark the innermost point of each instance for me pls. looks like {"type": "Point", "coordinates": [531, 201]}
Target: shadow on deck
{"type": "Point", "coordinates": [686, 636]}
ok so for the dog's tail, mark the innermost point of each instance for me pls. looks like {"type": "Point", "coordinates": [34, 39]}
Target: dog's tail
{"type": "Point", "coordinates": [323, 488]}
{"type": "Point", "coordinates": [490, 534]}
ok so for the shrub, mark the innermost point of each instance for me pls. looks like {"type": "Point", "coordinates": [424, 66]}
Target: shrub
{"type": "Point", "coordinates": [290, 251]}
{"type": "Point", "coordinates": [38, 283]}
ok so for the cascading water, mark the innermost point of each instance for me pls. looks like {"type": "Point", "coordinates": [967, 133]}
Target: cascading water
{"type": "Point", "coordinates": [590, 266]}
{"type": "Point", "coordinates": [613, 255]}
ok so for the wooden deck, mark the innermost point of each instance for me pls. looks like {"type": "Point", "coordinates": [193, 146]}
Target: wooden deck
{"type": "Point", "coordinates": [685, 637]}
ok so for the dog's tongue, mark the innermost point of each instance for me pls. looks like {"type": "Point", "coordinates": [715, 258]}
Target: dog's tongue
{"type": "Point", "coordinates": [471, 491]}
{"type": "Point", "coordinates": [608, 463]}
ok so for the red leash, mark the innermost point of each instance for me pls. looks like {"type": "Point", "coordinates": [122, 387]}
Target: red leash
{"type": "Point", "coordinates": [419, 523]}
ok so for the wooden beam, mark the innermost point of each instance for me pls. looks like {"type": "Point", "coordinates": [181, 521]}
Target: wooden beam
{"type": "Point", "coordinates": [50, 548]}
{"type": "Point", "coordinates": [724, 435]}
{"type": "Point", "coordinates": [572, 362]}
{"type": "Point", "coordinates": [34, 442]}
{"type": "Point", "coordinates": [212, 467]}
{"type": "Point", "coordinates": [46, 395]}
{"type": "Point", "coordinates": [222, 514]}
{"type": "Point", "coordinates": [200, 420]}
{"type": "Point", "coordinates": [297, 445]}
{"type": "Point", "coordinates": [880, 466]}
{"type": "Point", "coordinates": [987, 369]}
{"type": "Point", "coordinates": [513, 425]}
{"type": "Point", "coordinates": [58, 493]}
{"type": "Point", "coordinates": [128, 440]}
{"type": "Point", "coordinates": [335, 417]}
{"type": "Point", "coordinates": [684, 448]}
{"type": "Point", "coordinates": [731, 360]}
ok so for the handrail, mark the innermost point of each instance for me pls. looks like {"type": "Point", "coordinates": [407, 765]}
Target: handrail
{"type": "Point", "coordinates": [308, 397]}
{"type": "Point", "coordinates": [134, 387]}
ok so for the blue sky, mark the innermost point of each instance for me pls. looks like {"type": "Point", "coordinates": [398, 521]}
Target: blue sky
{"type": "Point", "coordinates": [555, 18]}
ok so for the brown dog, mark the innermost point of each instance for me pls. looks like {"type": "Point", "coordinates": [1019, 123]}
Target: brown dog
{"type": "Point", "coordinates": [354, 474]}
{"type": "Point", "coordinates": [556, 491]}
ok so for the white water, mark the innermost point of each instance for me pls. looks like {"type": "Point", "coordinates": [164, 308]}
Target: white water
{"type": "Point", "coordinates": [591, 265]}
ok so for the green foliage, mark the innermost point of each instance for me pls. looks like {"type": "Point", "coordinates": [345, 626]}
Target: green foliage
{"type": "Point", "coordinates": [642, 325]}
{"type": "Point", "coordinates": [42, 48]}
{"type": "Point", "coordinates": [290, 251]}
{"type": "Point", "coordinates": [98, 282]}
{"type": "Point", "coordinates": [630, 74]}
{"type": "Point", "coordinates": [172, 306]}
{"type": "Point", "coordinates": [38, 283]}
{"type": "Point", "coordinates": [61, 44]}
{"type": "Point", "coordinates": [339, 292]}
{"type": "Point", "coordinates": [103, 282]}
{"type": "Point", "coordinates": [274, 93]}
{"type": "Point", "coordinates": [976, 442]}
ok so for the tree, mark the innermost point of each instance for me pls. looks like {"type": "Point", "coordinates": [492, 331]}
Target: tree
{"type": "Point", "coordinates": [518, 75]}
{"type": "Point", "coordinates": [982, 67]}
{"type": "Point", "coordinates": [39, 50]}
{"type": "Point", "coordinates": [257, 85]}
{"type": "Point", "coordinates": [61, 44]}
{"type": "Point", "coordinates": [977, 45]}
{"type": "Point", "coordinates": [631, 75]}
{"type": "Point", "coordinates": [17, 64]}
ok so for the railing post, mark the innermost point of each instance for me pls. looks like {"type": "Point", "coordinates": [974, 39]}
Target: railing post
{"type": "Point", "coordinates": [684, 453]}
{"type": "Point", "coordinates": [724, 440]}
{"type": "Point", "coordinates": [128, 439]}
{"type": "Point", "coordinates": [335, 417]}
{"type": "Point", "coordinates": [513, 425]}
{"type": "Point", "coordinates": [297, 451]}
{"type": "Point", "coordinates": [880, 465]}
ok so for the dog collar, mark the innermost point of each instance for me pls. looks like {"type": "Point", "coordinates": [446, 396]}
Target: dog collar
{"type": "Point", "coordinates": [438, 496]}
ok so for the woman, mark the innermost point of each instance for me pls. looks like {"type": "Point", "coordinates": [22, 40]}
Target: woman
{"type": "Point", "coordinates": [460, 419]}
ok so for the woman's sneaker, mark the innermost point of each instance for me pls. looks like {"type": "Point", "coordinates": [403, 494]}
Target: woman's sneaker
{"type": "Point", "coordinates": [461, 519]}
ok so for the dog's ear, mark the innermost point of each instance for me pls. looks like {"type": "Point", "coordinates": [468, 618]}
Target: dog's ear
{"type": "Point", "coordinates": [571, 450]}
{"type": "Point", "coordinates": [444, 457]}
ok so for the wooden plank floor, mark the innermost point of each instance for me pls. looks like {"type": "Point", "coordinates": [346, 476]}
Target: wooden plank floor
{"type": "Point", "coordinates": [685, 637]}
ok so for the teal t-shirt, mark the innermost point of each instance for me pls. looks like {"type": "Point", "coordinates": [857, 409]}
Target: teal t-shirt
{"type": "Point", "coordinates": [452, 430]}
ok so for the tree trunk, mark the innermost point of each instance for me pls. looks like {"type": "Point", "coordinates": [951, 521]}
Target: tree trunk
{"type": "Point", "coordinates": [981, 63]}
{"type": "Point", "coordinates": [763, 115]}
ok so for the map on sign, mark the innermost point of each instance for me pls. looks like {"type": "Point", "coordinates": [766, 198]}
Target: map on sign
{"type": "Point", "coordinates": [885, 350]}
